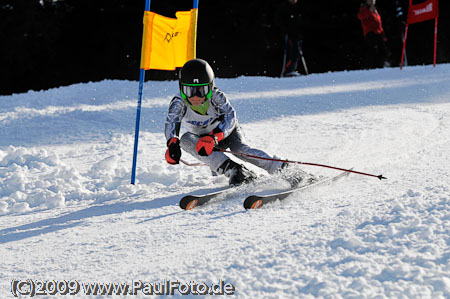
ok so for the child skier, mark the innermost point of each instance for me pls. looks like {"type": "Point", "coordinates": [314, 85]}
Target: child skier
{"type": "Point", "coordinates": [210, 122]}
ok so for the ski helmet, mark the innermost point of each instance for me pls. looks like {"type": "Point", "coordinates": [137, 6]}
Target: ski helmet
{"type": "Point", "coordinates": [196, 79]}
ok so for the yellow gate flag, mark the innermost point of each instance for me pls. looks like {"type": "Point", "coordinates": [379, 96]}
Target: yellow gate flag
{"type": "Point", "coordinates": [168, 43]}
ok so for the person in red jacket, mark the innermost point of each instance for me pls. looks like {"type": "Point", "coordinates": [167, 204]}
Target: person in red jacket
{"type": "Point", "coordinates": [374, 35]}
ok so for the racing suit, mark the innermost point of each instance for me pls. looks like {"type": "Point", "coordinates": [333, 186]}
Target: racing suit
{"type": "Point", "coordinates": [221, 115]}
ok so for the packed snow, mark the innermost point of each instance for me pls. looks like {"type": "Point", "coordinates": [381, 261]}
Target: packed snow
{"type": "Point", "coordinates": [68, 210]}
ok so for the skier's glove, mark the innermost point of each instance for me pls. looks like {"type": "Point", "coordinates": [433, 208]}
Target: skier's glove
{"type": "Point", "coordinates": [205, 145]}
{"type": "Point", "coordinates": [217, 134]}
{"type": "Point", "coordinates": [173, 152]}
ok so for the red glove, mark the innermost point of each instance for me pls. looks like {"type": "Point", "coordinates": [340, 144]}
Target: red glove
{"type": "Point", "coordinates": [173, 152]}
{"type": "Point", "coordinates": [205, 145]}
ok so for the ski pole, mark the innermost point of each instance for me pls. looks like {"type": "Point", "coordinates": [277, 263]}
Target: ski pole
{"type": "Point", "coordinates": [381, 177]}
{"type": "Point", "coordinates": [303, 58]}
{"type": "Point", "coordinates": [286, 38]}
{"type": "Point", "coordinates": [192, 164]}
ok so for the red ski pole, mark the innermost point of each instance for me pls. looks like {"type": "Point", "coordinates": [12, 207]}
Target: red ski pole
{"type": "Point", "coordinates": [381, 177]}
{"type": "Point", "coordinates": [192, 164]}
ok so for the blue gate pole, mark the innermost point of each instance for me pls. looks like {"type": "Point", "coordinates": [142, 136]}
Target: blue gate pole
{"type": "Point", "coordinates": [138, 113]}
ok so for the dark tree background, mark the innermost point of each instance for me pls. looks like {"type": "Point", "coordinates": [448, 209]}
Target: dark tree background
{"type": "Point", "coordinates": [49, 43]}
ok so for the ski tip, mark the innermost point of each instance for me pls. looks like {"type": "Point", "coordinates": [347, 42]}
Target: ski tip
{"type": "Point", "coordinates": [256, 205]}
{"type": "Point", "coordinates": [192, 204]}
{"type": "Point", "coordinates": [188, 202]}
{"type": "Point", "coordinates": [381, 177]}
{"type": "Point", "coordinates": [252, 203]}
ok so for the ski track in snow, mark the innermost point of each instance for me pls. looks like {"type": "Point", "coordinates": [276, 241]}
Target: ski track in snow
{"type": "Point", "coordinates": [68, 211]}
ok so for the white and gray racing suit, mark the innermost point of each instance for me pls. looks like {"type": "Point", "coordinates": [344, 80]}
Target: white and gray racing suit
{"type": "Point", "coordinates": [220, 114]}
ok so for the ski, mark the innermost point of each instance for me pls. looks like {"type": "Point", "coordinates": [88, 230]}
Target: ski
{"type": "Point", "coordinates": [257, 201]}
{"type": "Point", "coordinates": [189, 202]}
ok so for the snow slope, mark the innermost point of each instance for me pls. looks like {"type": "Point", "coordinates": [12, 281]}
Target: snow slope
{"type": "Point", "coordinates": [69, 213]}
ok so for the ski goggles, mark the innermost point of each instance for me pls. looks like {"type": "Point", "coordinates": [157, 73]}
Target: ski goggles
{"type": "Point", "coordinates": [200, 90]}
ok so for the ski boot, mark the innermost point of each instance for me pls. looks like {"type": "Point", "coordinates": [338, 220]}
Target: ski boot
{"type": "Point", "coordinates": [236, 173]}
{"type": "Point", "coordinates": [295, 176]}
